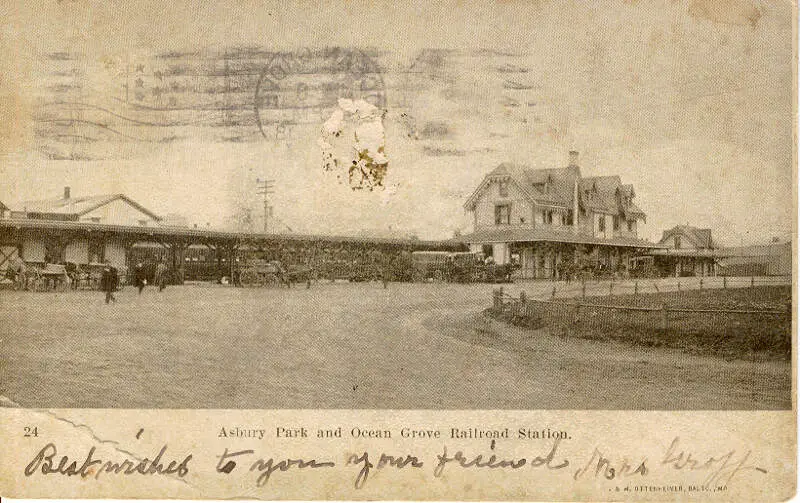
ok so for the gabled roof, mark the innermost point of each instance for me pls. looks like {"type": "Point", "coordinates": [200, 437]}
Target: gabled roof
{"type": "Point", "coordinates": [700, 238]}
{"type": "Point", "coordinates": [80, 205]}
{"type": "Point", "coordinates": [599, 193]}
{"type": "Point", "coordinates": [555, 187]}
{"type": "Point", "coordinates": [545, 186]}
{"type": "Point", "coordinates": [505, 170]}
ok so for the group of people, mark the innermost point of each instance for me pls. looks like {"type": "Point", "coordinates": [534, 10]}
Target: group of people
{"type": "Point", "coordinates": [140, 276]}
{"type": "Point", "coordinates": [109, 277]}
{"type": "Point", "coordinates": [109, 281]}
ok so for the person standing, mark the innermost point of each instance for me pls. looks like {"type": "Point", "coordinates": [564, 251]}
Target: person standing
{"type": "Point", "coordinates": [161, 275]}
{"type": "Point", "coordinates": [139, 277]}
{"type": "Point", "coordinates": [20, 274]}
{"type": "Point", "coordinates": [109, 280]}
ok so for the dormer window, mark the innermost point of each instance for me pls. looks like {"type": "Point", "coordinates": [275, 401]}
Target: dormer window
{"type": "Point", "coordinates": [677, 242]}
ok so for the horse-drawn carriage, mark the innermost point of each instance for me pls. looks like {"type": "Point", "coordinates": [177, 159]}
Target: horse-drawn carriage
{"type": "Point", "coordinates": [261, 272]}
{"type": "Point", "coordinates": [457, 267]}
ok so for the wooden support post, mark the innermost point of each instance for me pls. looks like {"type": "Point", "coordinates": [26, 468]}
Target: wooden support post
{"type": "Point", "coordinates": [610, 288]}
{"type": "Point", "coordinates": [554, 293]}
{"type": "Point", "coordinates": [583, 288]}
{"type": "Point", "coordinates": [231, 262]}
{"type": "Point", "coordinates": [752, 281]}
{"type": "Point", "coordinates": [679, 286]}
{"type": "Point", "coordinates": [664, 317]}
{"type": "Point", "coordinates": [701, 283]}
{"type": "Point", "coordinates": [724, 282]}
{"type": "Point", "coordinates": [179, 259]}
{"type": "Point", "coordinates": [636, 288]}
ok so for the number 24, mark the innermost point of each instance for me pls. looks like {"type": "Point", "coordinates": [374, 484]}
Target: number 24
{"type": "Point", "coordinates": [31, 431]}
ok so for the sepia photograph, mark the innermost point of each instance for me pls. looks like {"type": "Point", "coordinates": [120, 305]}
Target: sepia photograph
{"type": "Point", "coordinates": [551, 205]}
{"type": "Point", "coordinates": [513, 250]}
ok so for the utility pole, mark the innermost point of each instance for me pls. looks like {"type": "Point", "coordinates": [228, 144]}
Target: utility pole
{"type": "Point", "coordinates": [265, 188]}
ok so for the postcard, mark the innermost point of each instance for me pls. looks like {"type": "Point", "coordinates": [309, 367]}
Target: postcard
{"type": "Point", "coordinates": [364, 250]}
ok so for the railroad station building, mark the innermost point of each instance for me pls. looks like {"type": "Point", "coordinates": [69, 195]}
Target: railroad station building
{"type": "Point", "coordinates": [75, 242]}
{"type": "Point", "coordinates": [546, 219]}
{"type": "Point", "coordinates": [686, 251]}
{"type": "Point", "coordinates": [88, 230]}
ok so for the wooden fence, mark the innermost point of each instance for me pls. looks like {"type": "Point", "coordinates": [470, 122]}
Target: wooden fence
{"type": "Point", "coordinates": [627, 311]}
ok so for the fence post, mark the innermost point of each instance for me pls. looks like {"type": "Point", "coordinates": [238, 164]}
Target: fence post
{"type": "Point", "coordinates": [701, 283]}
{"type": "Point", "coordinates": [664, 317]}
{"type": "Point", "coordinates": [610, 288]}
{"type": "Point", "coordinates": [656, 286]}
{"type": "Point", "coordinates": [583, 288]}
{"type": "Point", "coordinates": [752, 281]}
{"type": "Point", "coordinates": [554, 293]}
{"type": "Point", "coordinates": [636, 288]}
{"type": "Point", "coordinates": [497, 301]}
{"type": "Point", "coordinates": [679, 286]}
{"type": "Point", "coordinates": [725, 282]}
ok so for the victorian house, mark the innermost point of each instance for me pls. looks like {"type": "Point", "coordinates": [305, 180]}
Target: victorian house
{"type": "Point", "coordinates": [551, 220]}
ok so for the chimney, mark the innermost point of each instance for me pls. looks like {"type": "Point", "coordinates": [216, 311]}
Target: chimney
{"type": "Point", "coordinates": [66, 192]}
{"type": "Point", "coordinates": [573, 157]}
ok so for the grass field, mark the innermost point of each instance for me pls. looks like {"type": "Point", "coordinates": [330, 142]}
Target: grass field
{"type": "Point", "coordinates": [341, 346]}
{"type": "Point", "coordinates": [734, 323]}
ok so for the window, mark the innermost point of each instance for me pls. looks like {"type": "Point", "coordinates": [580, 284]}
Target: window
{"type": "Point", "coordinates": [601, 223]}
{"type": "Point", "coordinates": [547, 216]}
{"type": "Point", "coordinates": [616, 222]}
{"type": "Point", "coordinates": [503, 188]}
{"type": "Point", "coordinates": [630, 225]}
{"type": "Point", "coordinates": [570, 218]}
{"type": "Point", "coordinates": [502, 214]}
{"type": "Point", "coordinates": [677, 241]}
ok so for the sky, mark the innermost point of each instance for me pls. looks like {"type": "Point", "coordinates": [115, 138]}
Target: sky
{"type": "Point", "coordinates": [184, 108]}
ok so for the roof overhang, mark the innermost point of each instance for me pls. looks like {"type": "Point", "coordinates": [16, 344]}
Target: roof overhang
{"type": "Point", "coordinates": [143, 233]}
{"type": "Point", "coordinates": [520, 235]}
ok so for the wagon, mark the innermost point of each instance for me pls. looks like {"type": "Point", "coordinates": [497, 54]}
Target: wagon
{"type": "Point", "coordinates": [260, 272]}
{"type": "Point", "coordinates": [458, 267]}
{"type": "Point", "coordinates": [429, 265]}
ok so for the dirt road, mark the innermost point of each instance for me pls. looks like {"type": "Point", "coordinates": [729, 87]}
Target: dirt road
{"type": "Point", "coordinates": [340, 346]}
